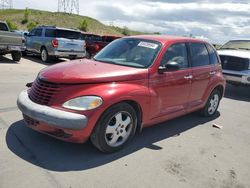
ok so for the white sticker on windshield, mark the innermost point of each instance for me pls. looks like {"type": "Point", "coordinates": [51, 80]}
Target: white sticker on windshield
{"type": "Point", "coordinates": [148, 45]}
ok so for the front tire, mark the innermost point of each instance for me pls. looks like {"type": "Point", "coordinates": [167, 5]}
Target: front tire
{"type": "Point", "coordinates": [115, 128]}
{"type": "Point", "coordinates": [16, 55]}
{"type": "Point", "coordinates": [212, 104]}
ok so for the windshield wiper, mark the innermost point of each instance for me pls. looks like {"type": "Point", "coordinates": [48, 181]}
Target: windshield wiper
{"type": "Point", "coordinates": [229, 48]}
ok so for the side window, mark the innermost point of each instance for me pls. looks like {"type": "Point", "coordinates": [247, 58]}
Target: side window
{"type": "Point", "coordinates": [212, 55]}
{"type": "Point", "coordinates": [176, 53]}
{"type": "Point", "coordinates": [38, 32]}
{"type": "Point", "coordinates": [199, 54]}
{"type": "Point", "coordinates": [33, 32]}
{"type": "Point", "coordinates": [49, 33]}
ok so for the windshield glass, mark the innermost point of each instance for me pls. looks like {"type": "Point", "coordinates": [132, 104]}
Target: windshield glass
{"type": "Point", "coordinates": [245, 45]}
{"type": "Point", "coordinates": [130, 52]}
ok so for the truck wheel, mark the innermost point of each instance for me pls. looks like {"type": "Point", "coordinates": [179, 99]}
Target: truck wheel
{"type": "Point", "coordinates": [212, 104]}
{"type": "Point", "coordinates": [16, 55]}
{"type": "Point", "coordinates": [44, 55]}
{"type": "Point", "coordinates": [115, 128]}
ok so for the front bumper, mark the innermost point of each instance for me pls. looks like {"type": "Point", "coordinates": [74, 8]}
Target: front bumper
{"type": "Point", "coordinates": [51, 116]}
{"type": "Point", "coordinates": [240, 77]}
{"type": "Point", "coordinates": [68, 54]}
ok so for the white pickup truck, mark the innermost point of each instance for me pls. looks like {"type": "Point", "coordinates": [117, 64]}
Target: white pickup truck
{"type": "Point", "coordinates": [235, 60]}
{"type": "Point", "coordinates": [10, 42]}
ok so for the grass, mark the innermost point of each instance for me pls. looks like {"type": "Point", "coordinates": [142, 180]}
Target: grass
{"type": "Point", "coordinates": [61, 20]}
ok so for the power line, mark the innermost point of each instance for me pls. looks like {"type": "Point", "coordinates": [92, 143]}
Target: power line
{"type": "Point", "coordinates": [6, 4]}
{"type": "Point", "coordinates": [68, 6]}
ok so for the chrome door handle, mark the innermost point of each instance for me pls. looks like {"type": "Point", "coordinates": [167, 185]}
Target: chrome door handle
{"type": "Point", "coordinates": [188, 77]}
{"type": "Point", "coordinates": [212, 73]}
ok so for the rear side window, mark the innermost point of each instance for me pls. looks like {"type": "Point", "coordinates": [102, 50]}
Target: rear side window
{"type": "Point", "coordinates": [38, 32]}
{"type": "Point", "coordinates": [199, 54]}
{"type": "Point", "coordinates": [212, 55]}
{"type": "Point", "coordinates": [68, 34]}
{"type": "Point", "coordinates": [3, 27]}
{"type": "Point", "coordinates": [50, 33]}
{"type": "Point", "coordinates": [176, 53]}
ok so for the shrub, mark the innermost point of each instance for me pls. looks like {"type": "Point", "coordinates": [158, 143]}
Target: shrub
{"type": "Point", "coordinates": [125, 31]}
{"type": "Point", "coordinates": [26, 16]}
{"type": "Point", "coordinates": [83, 25]}
{"type": "Point", "coordinates": [31, 25]}
{"type": "Point", "coordinates": [11, 25]}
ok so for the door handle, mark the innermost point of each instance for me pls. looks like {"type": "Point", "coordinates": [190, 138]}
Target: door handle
{"type": "Point", "coordinates": [188, 77]}
{"type": "Point", "coordinates": [212, 73]}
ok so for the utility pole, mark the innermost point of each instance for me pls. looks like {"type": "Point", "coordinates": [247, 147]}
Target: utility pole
{"type": "Point", "coordinates": [6, 4]}
{"type": "Point", "coordinates": [68, 6]}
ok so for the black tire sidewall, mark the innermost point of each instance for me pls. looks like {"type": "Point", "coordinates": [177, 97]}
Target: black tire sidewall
{"type": "Point", "coordinates": [98, 136]}
{"type": "Point", "coordinates": [205, 110]}
{"type": "Point", "coordinates": [16, 55]}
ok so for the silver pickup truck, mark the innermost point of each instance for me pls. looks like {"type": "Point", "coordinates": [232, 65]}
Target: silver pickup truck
{"type": "Point", "coordinates": [235, 60]}
{"type": "Point", "coordinates": [10, 42]}
{"type": "Point", "coordinates": [53, 42]}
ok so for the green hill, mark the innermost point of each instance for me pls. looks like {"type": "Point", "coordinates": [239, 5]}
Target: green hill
{"type": "Point", "coordinates": [61, 20]}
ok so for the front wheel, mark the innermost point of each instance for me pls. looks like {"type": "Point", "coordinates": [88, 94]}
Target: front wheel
{"type": "Point", "coordinates": [212, 104]}
{"type": "Point", "coordinates": [115, 128]}
{"type": "Point", "coordinates": [16, 55]}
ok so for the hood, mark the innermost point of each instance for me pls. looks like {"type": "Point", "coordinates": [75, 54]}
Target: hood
{"type": "Point", "coordinates": [89, 71]}
{"type": "Point", "coordinates": [235, 53]}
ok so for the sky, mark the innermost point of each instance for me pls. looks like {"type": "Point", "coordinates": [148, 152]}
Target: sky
{"type": "Point", "coordinates": [215, 20]}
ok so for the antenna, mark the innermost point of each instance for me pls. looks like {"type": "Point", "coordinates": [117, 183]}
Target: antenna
{"type": "Point", "coordinates": [6, 4]}
{"type": "Point", "coordinates": [68, 6]}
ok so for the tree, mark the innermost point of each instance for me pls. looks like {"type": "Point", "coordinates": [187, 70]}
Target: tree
{"type": "Point", "coordinates": [31, 25]}
{"type": "Point", "coordinates": [11, 25]}
{"type": "Point", "coordinates": [26, 16]}
{"type": "Point", "coordinates": [83, 25]}
{"type": "Point", "coordinates": [125, 31]}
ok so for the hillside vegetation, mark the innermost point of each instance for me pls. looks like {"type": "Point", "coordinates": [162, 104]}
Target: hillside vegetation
{"type": "Point", "coordinates": [37, 17]}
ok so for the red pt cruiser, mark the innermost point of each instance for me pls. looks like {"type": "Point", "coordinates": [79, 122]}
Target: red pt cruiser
{"type": "Point", "coordinates": [132, 83]}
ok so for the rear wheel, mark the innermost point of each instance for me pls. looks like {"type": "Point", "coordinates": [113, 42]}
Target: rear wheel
{"type": "Point", "coordinates": [44, 55]}
{"type": "Point", "coordinates": [115, 128]}
{"type": "Point", "coordinates": [16, 55]}
{"type": "Point", "coordinates": [212, 104]}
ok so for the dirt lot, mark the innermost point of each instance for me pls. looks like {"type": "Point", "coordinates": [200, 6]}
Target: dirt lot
{"type": "Point", "coordinates": [185, 152]}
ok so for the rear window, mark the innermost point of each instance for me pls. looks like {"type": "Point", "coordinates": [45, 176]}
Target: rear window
{"type": "Point", "coordinates": [212, 55]}
{"type": "Point", "coordinates": [3, 27]}
{"type": "Point", "coordinates": [68, 34]}
{"type": "Point", "coordinates": [50, 33]}
{"type": "Point", "coordinates": [199, 54]}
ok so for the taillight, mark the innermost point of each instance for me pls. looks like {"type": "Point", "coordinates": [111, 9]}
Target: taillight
{"type": "Point", "coordinates": [54, 43]}
{"type": "Point", "coordinates": [97, 47]}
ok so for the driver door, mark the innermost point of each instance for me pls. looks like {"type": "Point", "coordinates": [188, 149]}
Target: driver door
{"type": "Point", "coordinates": [172, 88]}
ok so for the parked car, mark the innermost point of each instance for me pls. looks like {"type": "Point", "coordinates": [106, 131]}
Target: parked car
{"type": "Point", "coordinates": [10, 42]}
{"type": "Point", "coordinates": [95, 43]}
{"type": "Point", "coordinates": [134, 82]}
{"type": "Point", "coordinates": [235, 59]}
{"type": "Point", "coordinates": [53, 42]}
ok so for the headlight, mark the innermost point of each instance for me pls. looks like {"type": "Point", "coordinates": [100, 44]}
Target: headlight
{"type": "Point", "coordinates": [83, 103]}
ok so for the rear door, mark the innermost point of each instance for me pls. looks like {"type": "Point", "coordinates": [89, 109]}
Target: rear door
{"type": "Point", "coordinates": [69, 41]}
{"type": "Point", "coordinates": [37, 40]}
{"type": "Point", "coordinates": [202, 70]}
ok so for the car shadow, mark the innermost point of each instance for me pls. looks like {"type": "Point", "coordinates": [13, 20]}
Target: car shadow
{"type": "Point", "coordinates": [37, 59]}
{"type": "Point", "coordinates": [55, 155]}
{"type": "Point", "coordinates": [6, 60]}
{"type": "Point", "coordinates": [240, 93]}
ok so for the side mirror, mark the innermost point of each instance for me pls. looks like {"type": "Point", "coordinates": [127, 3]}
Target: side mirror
{"type": "Point", "coordinates": [25, 34]}
{"type": "Point", "coordinates": [169, 67]}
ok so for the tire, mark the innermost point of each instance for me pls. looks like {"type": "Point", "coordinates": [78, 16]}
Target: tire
{"type": "Point", "coordinates": [88, 55]}
{"type": "Point", "coordinates": [212, 104]}
{"type": "Point", "coordinates": [115, 128]}
{"type": "Point", "coordinates": [16, 55]}
{"type": "Point", "coordinates": [44, 55]}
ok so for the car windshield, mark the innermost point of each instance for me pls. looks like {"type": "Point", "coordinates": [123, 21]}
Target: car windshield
{"type": "Point", "coordinates": [130, 52]}
{"type": "Point", "coordinates": [245, 45]}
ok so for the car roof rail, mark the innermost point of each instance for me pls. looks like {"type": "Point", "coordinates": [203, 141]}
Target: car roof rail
{"type": "Point", "coordinates": [53, 26]}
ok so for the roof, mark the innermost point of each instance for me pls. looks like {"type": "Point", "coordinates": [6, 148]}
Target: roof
{"type": "Point", "coordinates": [54, 27]}
{"type": "Point", "coordinates": [167, 38]}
